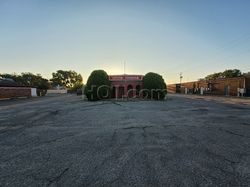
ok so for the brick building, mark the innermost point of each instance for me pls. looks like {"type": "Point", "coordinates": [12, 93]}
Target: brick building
{"type": "Point", "coordinates": [10, 89]}
{"type": "Point", "coordinates": [223, 86]}
{"type": "Point", "coordinates": [126, 85]}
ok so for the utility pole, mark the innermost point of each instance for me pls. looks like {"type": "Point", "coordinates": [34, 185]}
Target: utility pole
{"type": "Point", "coordinates": [180, 80]}
{"type": "Point", "coordinates": [124, 67]}
{"type": "Point", "coordinates": [125, 89]}
{"type": "Point", "coordinates": [181, 77]}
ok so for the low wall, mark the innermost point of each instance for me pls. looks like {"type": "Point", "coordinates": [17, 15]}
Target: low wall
{"type": "Point", "coordinates": [14, 92]}
{"type": "Point", "coordinates": [57, 91]}
{"type": "Point", "coordinates": [227, 86]}
{"type": "Point", "coordinates": [171, 88]}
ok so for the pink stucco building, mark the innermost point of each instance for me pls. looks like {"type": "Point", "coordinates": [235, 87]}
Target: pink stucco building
{"type": "Point", "coordinates": [126, 85]}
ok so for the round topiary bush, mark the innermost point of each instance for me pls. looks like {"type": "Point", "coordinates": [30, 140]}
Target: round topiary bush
{"type": "Point", "coordinates": [154, 86]}
{"type": "Point", "coordinates": [98, 86]}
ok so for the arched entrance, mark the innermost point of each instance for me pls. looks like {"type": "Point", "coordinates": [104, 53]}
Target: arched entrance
{"type": "Point", "coordinates": [130, 91]}
{"type": "Point", "coordinates": [120, 92]}
{"type": "Point", "coordinates": [138, 89]}
{"type": "Point", "coordinates": [114, 92]}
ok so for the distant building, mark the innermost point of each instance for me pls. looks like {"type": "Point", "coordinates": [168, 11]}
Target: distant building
{"type": "Point", "coordinates": [8, 82]}
{"type": "Point", "coordinates": [224, 86]}
{"type": "Point", "coordinates": [126, 85]}
{"type": "Point", "coordinates": [11, 89]}
{"type": "Point", "coordinates": [58, 90]}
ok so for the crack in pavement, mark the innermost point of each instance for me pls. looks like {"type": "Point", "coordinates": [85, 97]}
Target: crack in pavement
{"type": "Point", "coordinates": [137, 127]}
{"type": "Point", "coordinates": [57, 178]}
{"type": "Point", "coordinates": [56, 139]}
{"type": "Point", "coordinates": [115, 103]}
{"type": "Point", "coordinates": [233, 133]}
{"type": "Point", "coordinates": [51, 180]}
{"type": "Point", "coordinates": [143, 128]}
{"type": "Point", "coordinates": [113, 138]}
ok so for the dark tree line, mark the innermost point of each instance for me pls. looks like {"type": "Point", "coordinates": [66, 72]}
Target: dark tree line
{"type": "Point", "coordinates": [28, 79]}
{"type": "Point", "coordinates": [225, 74]}
{"type": "Point", "coordinates": [68, 79]}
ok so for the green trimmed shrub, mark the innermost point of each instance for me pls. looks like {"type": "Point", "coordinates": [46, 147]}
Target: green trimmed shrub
{"type": "Point", "coordinates": [98, 86]}
{"type": "Point", "coordinates": [154, 86]}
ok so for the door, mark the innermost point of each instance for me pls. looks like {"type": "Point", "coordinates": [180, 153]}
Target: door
{"type": "Point", "coordinates": [227, 90]}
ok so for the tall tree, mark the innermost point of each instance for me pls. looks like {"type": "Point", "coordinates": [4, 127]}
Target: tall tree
{"type": "Point", "coordinates": [66, 78]}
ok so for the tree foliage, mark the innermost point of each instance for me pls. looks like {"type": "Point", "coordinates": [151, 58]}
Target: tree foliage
{"type": "Point", "coordinates": [29, 79]}
{"type": "Point", "coordinates": [66, 78]}
{"type": "Point", "coordinates": [77, 86]}
{"type": "Point", "coordinates": [226, 74]}
{"type": "Point", "coordinates": [232, 73]}
{"type": "Point", "coordinates": [154, 86]}
{"type": "Point", "coordinates": [98, 86]}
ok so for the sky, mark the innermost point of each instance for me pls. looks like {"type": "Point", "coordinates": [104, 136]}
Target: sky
{"type": "Point", "coordinates": [195, 37]}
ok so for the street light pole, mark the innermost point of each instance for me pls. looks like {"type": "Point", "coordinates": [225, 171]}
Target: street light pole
{"type": "Point", "coordinates": [180, 80]}
{"type": "Point", "coordinates": [181, 77]}
{"type": "Point", "coordinates": [125, 87]}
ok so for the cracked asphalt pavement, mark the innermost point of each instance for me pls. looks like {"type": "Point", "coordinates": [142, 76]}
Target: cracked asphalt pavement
{"type": "Point", "coordinates": [184, 141]}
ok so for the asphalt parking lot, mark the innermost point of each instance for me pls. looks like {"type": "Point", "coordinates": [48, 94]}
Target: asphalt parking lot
{"type": "Point", "coordinates": [184, 141]}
